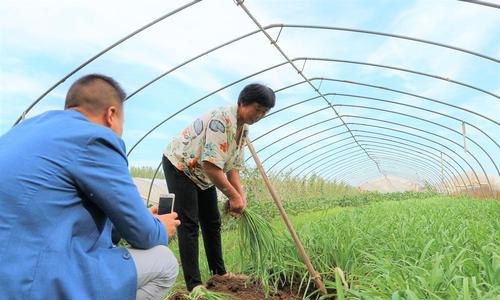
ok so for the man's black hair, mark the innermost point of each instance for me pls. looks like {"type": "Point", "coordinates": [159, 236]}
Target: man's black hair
{"type": "Point", "coordinates": [259, 93]}
{"type": "Point", "coordinates": [90, 92]}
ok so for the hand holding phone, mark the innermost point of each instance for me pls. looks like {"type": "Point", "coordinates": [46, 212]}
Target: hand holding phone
{"type": "Point", "coordinates": [166, 204]}
{"type": "Point", "coordinates": [170, 222]}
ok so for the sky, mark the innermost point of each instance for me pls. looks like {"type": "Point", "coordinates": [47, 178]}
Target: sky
{"type": "Point", "coordinates": [43, 41]}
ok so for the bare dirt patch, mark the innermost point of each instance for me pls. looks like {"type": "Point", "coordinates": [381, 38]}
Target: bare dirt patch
{"type": "Point", "coordinates": [240, 289]}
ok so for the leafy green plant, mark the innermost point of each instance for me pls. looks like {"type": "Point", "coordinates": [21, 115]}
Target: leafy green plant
{"type": "Point", "coordinates": [205, 294]}
{"type": "Point", "coordinates": [258, 246]}
{"type": "Point", "coordinates": [146, 172]}
{"type": "Point", "coordinates": [429, 248]}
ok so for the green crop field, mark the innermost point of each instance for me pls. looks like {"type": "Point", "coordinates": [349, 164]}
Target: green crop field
{"type": "Point", "coordinates": [393, 246]}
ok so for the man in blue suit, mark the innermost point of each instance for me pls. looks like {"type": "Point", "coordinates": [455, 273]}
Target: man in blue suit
{"type": "Point", "coordinates": [64, 182]}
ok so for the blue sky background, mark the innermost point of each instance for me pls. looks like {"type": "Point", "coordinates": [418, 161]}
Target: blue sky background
{"type": "Point", "coordinates": [42, 41]}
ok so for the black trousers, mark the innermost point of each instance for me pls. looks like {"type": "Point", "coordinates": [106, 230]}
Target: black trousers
{"type": "Point", "coordinates": [196, 208]}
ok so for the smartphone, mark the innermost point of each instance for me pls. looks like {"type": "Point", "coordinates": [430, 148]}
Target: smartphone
{"type": "Point", "coordinates": [166, 204]}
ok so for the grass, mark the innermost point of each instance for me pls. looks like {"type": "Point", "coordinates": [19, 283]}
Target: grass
{"type": "Point", "coordinates": [436, 248]}
{"type": "Point", "coordinates": [200, 294]}
{"type": "Point", "coordinates": [293, 189]}
{"type": "Point", "coordinates": [267, 209]}
{"type": "Point", "coordinates": [430, 248]}
{"type": "Point", "coordinates": [390, 246]}
{"type": "Point", "coordinates": [146, 172]}
{"type": "Point", "coordinates": [258, 246]}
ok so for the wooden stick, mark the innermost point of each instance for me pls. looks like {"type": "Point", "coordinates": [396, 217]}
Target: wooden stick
{"type": "Point", "coordinates": [315, 275]}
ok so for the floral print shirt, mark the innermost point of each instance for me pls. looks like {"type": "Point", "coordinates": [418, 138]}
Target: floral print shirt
{"type": "Point", "coordinates": [212, 138]}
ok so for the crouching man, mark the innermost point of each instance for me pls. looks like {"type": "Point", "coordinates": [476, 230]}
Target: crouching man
{"type": "Point", "coordinates": [64, 181]}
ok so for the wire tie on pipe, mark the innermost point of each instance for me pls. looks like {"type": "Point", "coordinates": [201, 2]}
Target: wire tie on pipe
{"type": "Point", "coordinates": [321, 82]}
{"type": "Point", "coordinates": [305, 60]}
{"type": "Point", "coordinates": [278, 37]}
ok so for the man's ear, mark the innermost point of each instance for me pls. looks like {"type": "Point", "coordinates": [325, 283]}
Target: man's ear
{"type": "Point", "coordinates": [111, 115]}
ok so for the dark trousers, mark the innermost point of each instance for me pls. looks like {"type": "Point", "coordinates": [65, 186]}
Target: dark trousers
{"type": "Point", "coordinates": [196, 208]}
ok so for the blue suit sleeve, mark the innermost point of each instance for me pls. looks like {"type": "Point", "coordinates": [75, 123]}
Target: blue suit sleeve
{"type": "Point", "coordinates": [101, 173]}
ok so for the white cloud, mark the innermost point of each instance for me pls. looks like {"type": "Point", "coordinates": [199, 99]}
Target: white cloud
{"type": "Point", "coordinates": [184, 118]}
{"type": "Point", "coordinates": [477, 104]}
{"type": "Point", "coordinates": [426, 20]}
{"type": "Point", "coordinates": [74, 26]}
{"type": "Point", "coordinates": [135, 134]}
{"type": "Point", "coordinates": [14, 83]}
{"type": "Point", "coordinates": [39, 48]}
{"type": "Point", "coordinates": [18, 91]}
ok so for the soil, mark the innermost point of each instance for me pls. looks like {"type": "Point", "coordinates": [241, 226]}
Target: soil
{"type": "Point", "coordinates": [239, 289]}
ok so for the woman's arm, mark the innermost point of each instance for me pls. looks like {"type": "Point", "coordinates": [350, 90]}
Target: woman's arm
{"type": "Point", "coordinates": [216, 175]}
{"type": "Point", "coordinates": [233, 176]}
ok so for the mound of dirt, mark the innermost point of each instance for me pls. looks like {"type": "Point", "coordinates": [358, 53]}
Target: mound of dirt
{"type": "Point", "coordinates": [239, 289]}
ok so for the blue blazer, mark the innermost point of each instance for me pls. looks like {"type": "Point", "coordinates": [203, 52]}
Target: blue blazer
{"type": "Point", "coordinates": [63, 182]}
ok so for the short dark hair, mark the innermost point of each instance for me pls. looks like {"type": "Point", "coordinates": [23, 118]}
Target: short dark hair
{"type": "Point", "coordinates": [256, 92]}
{"type": "Point", "coordinates": [94, 92]}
